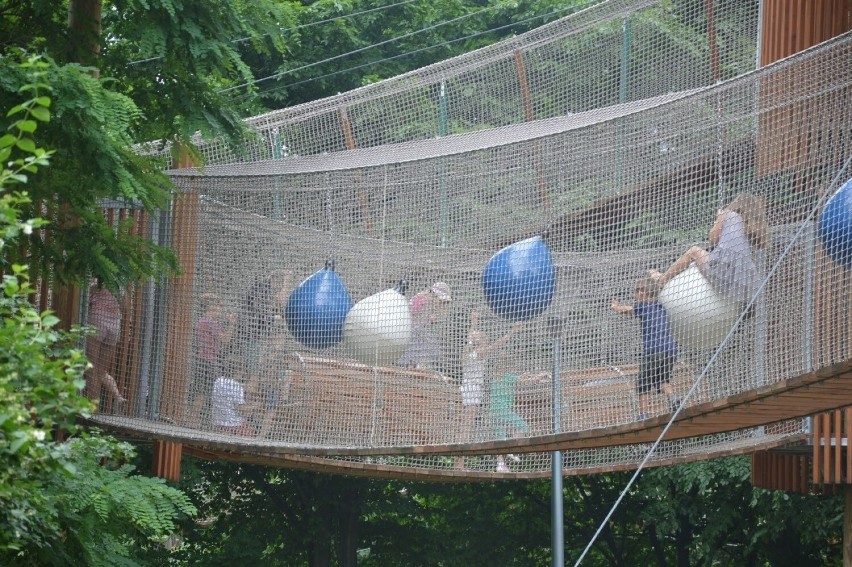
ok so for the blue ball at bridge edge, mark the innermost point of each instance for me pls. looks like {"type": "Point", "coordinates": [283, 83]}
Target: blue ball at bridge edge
{"type": "Point", "coordinates": [835, 226]}
{"type": "Point", "coordinates": [317, 309]}
{"type": "Point", "coordinates": [520, 279]}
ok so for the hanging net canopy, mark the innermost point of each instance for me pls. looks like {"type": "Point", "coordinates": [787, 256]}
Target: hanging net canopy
{"type": "Point", "coordinates": [616, 51]}
{"type": "Point", "coordinates": [360, 295]}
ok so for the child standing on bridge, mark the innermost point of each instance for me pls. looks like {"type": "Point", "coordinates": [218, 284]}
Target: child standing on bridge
{"type": "Point", "coordinates": [658, 346]}
{"type": "Point", "coordinates": [477, 351]}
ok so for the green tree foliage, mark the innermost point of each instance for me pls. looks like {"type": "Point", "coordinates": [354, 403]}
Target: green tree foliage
{"type": "Point", "coordinates": [102, 109]}
{"type": "Point", "coordinates": [707, 513]}
{"type": "Point", "coordinates": [704, 513]}
{"type": "Point", "coordinates": [66, 503]}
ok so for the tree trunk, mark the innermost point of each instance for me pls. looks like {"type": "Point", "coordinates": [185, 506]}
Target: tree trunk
{"type": "Point", "coordinates": [349, 537]}
{"type": "Point", "coordinates": [321, 552]}
{"type": "Point", "coordinates": [683, 537]}
{"type": "Point", "coordinates": [84, 31]}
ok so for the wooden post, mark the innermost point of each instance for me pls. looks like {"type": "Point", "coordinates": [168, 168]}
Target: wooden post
{"type": "Point", "coordinates": [165, 462]}
{"type": "Point", "coordinates": [715, 70]}
{"type": "Point", "coordinates": [184, 226]}
{"type": "Point", "coordinates": [521, 69]}
{"type": "Point", "coordinates": [529, 115]}
{"type": "Point", "coordinates": [363, 198]}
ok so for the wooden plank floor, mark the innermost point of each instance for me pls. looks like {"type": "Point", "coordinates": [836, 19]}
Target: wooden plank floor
{"type": "Point", "coordinates": [377, 469]}
{"type": "Point", "coordinates": [808, 394]}
{"type": "Point", "coordinates": [826, 389]}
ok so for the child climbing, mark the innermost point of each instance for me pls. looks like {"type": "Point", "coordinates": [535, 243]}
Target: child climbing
{"type": "Point", "coordinates": [477, 350]}
{"type": "Point", "coordinates": [729, 266]}
{"type": "Point", "coordinates": [658, 346]}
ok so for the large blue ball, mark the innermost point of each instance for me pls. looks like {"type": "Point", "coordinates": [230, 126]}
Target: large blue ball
{"type": "Point", "coordinates": [835, 226]}
{"type": "Point", "coordinates": [519, 280]}
{"type": "Point", "coordinates": [317, 309]}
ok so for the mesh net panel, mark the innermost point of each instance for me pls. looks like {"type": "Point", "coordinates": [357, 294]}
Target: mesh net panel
{"type": "Point", "coordinates": [614, 52]}
{"type": "Point", "coordinates": [413, 296]}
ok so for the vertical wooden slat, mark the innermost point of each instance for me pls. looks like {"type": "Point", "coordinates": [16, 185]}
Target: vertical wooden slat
{"type": "Point", "coordinates": [774, 473]}
{"type": "Point", "coordinates": [790, 472]}
{"type": "Point", "coordinates": [826, 453]}
{"type": "Point", "coordinates": [756, 469]}
{"type": "Point", "coordinates": [521, 70]}
{"type": "Point", "coordinates": [790, 26]}
{"type": "Point", "coordinates": [807, 27]}
{"type": "Point", "coordinates": [848, 434]}
{"type": "Point", "coordinates": [838, 446]}
{"type": "Point", "coordinates": [166, 459]}
{"type": "Point", "coordinates": [817, 447]}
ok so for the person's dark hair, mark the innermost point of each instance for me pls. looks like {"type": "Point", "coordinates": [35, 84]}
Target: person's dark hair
{"type": "Point", "coordinates": [753, 211]}
{"type": "Point", "coordinates": [648, 286]}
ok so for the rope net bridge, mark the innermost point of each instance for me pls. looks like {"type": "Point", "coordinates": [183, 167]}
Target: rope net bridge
{"type": "Point", "coordinates": [398, 309]}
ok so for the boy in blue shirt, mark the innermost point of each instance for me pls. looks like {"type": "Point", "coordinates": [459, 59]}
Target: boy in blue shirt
{"type": "Point", "coordinates": [659, 350]}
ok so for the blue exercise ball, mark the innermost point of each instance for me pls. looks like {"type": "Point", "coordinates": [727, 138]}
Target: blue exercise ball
{"type": "Point", "coordinates": [317, 309]}
{"type": "Point", "coordinates": [519, 280]}
{"type": "Point", "coordinates": [835, 226]}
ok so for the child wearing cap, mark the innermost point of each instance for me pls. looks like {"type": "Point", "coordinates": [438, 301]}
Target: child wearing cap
{"type": "Point", "coordinates": [428, 308]}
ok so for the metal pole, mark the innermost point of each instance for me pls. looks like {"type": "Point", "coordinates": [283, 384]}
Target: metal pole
{"type": "Point", "coordinates": [442, 175]}
{"type": "Point", "coordinates": [808, 309]}
{"type": "Point", "coordinates": [623, 95]}
{"type": "Point", "coordinates": [557, 543]}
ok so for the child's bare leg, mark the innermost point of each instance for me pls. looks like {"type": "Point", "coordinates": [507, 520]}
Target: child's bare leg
{"type": "Point", "coordinates": [93, 382]}
{"type": "Point", "coordinates": [101, 356]}
{"type": "Point", "coordinates": [109, 383]}
{"type": "Point", "coordinates": [466, 428]}
{"type": "Point", "coordinates": [694, 254]}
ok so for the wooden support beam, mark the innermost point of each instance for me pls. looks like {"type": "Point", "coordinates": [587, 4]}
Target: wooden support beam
{"type": "Point", "coordinates": [166, 459]}
{"type": "Point", "coordinates": [184, 227]}
{"type": "Point", "coordinates": [363, 197]}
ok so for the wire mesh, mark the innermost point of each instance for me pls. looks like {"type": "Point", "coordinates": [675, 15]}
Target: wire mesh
{"type": "Point", "coordinates": [460, 262]}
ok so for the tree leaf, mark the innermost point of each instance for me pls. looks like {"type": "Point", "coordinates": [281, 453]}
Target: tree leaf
{"type": "Point", "coordinates": [25, 125]}
{"type": "Point", "coordinates": [40, 113]}
{"type": "Point", "coordinates": [26, 144]}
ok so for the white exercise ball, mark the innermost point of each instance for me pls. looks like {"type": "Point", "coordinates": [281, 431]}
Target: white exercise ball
{"type": "Point", "coordinates": [377, 329]}
{"type": "Point", "coordinates": [700, 317]}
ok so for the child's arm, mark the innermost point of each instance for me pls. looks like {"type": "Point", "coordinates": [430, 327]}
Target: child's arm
{"type": "Point", "coordinates": [502, 340]}
{"type": "Point", "coordinates": [716, 229]}
{"type": "Point", "coordinates": [621, 308]}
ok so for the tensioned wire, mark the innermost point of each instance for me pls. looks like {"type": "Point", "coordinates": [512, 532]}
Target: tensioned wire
{"type": "Point", "coordinates": [298, 27]}
{"type": "Point", "coordinates": [420, 50]}
{"type": "Point", "coordinates": [835, 182]}
{"type": "Point", "coordinates": [356, 51]}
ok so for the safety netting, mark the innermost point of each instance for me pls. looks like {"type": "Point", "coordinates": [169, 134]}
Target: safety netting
{"type": "Point", "coordinates": [418, 298]}
{"type": "Point", "coordinates": [613, 52]}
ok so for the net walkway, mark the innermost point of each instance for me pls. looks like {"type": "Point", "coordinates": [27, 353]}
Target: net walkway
{"type": "Point", "coordinates": [390, 305]}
